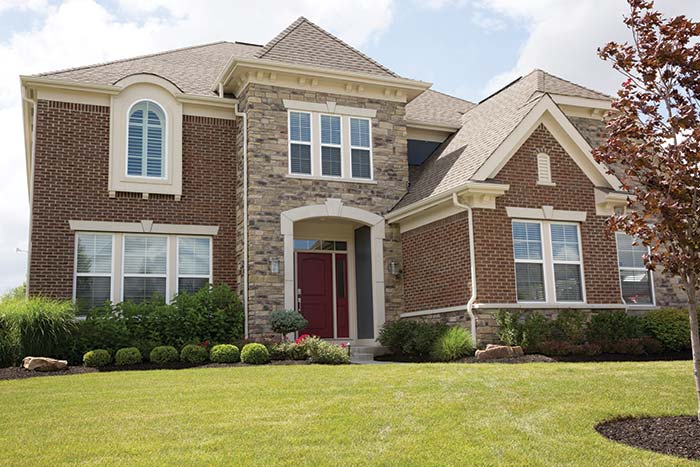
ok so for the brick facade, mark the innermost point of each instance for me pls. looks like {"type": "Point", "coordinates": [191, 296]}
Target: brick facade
{"type": "Point", "coordinates": [436, 264]}
{"type": "Point", "coordinates": [70, 183]}
{"type": "Point", "coordinates": [272, 192]}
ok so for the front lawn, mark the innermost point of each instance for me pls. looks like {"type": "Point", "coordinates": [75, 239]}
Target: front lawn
{"type": "Point", "coordinates": [429, 414]}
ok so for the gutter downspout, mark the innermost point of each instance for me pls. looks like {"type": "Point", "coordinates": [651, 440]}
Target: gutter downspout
{"type": "Point", "coordinates": [472, 263]}
{"type": "Point", "coordinates": [30, 185]}
{"type": "Point", "coordinates": [244, 117]}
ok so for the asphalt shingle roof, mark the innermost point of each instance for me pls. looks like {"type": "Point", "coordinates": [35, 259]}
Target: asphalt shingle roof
{"type": "Point", "coordinates": [483, 129]}
{"type": "Point", "coordinates": [435, 108]}
{"type": "Point", "coordinates": [192, 69]}
{"type": "Point", "coordinates": [304, 43]}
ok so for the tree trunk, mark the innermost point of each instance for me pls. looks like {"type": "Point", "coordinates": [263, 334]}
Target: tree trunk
{"type": "Point", "coordinates": [694, 334]}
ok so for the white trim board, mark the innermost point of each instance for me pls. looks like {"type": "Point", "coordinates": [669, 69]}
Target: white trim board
{"type": "Point", "coordinates": [145, 226]}
{"type": "Point", "coordinates": [546, 213]}
{"type": "Point", "coordinates": [329, 107]}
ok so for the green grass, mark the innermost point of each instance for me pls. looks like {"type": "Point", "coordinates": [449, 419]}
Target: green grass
{"type": "Point", "coordinates": [429, 414]}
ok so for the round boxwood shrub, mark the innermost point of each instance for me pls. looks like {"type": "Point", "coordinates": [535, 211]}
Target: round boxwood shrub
{"type": "Point", "coordinates": [255, 354]}
{"type": "Point", "coordinates": [97, 358]}
{"type": "Point", "coordinates": [224, 353]}
{"type": "Point", "coordinates": [194, 354]}
{"type": "Point", "coordinates": [286, 321]}
{"type": "Point", "coordinates": [128, 356]}
{"type": "Point", "coordinates": [164, 354]}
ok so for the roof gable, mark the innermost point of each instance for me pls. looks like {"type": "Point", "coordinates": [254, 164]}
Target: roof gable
{"type": "Point", "coordinates": [436, 108]}
{"type": "Point", "coordinates": [305, 43]}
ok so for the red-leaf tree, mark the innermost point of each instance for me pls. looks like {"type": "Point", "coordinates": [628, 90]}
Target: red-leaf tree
{"type": "Point", "coordinates": [654, 145]}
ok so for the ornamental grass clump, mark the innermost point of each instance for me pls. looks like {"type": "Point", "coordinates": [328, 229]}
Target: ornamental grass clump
{"type": "Point", "coordinates": [224, 353]}
{"type": "Point", "coordinates": [453, 345]}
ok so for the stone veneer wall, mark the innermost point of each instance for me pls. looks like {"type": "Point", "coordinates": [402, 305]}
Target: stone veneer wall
{"type": "Point", "coordinates": [70, 183]}
{"type": "Point", "coordinates": [271, 191]}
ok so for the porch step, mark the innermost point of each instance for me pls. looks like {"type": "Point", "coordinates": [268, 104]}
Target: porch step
{"type": "Point", "coordinates": [361, 354]}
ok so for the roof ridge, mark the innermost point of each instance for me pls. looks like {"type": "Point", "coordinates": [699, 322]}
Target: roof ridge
{"type": "Point", "coordinates": [138, 57]}
{"type": "Point", "coordinates": [450, 95]}
{"type": "Point", "coordinates": [573, 84]}
{"type": "Point", "coordinates": [299, 21]}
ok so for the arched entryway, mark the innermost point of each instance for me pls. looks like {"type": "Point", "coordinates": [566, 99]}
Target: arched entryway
{"type": "Point", "coordinates": [327, 247]}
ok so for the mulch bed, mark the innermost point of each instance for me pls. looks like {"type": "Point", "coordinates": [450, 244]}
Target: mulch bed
{"type": "Point", "coordinates": [21, 373]}
{"type": "Point", "coordinates": [676, 436]}
{"type": "Point", "coordinates": [612, 357]}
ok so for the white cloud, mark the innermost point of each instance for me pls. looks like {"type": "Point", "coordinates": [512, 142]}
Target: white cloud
{"type": "Point", "coordinates": [81, 32]}
{"type": "Point", "coordinates": [565, 34]}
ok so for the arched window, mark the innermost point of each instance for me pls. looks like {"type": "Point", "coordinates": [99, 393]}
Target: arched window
{"type": "Point", "coordinates": [145, 140]}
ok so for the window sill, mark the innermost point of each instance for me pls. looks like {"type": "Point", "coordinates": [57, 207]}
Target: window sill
{"type": "Point", "coordinates": [332, 179]}
{"type": "Point", "coordinates": [545, 183]}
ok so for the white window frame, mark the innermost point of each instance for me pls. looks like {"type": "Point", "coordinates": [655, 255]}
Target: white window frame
{"type": "Point", "coordinates": [346, 148]}
{"type": "Point", "coordinates": [310, 143]}
{"type": "Point", "coordinates": [619, 275]}
{"type": "Point", "coordinates": [321, 145]}
{"type": "Point", "coordinates": [164, 143]}
{"type": "Point", "coordinates": [530, 261]}
{"type": "Point", "coordinates": [579, 263]}
{"type": "Point", "coordinates": [124, 275]}
{"type": "Point", "coordinates": [77, 274]}
{"type": "Point", "coordinates": [371, 155]}
{"type": "Point", "coordinates": [550, 292]}
{"type": "Point", "coordinates": [210, 277]}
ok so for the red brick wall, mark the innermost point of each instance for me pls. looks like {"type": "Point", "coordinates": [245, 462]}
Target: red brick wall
{"type": "Point", "coordinates": [573, 191]}
{"type": "Point", "coordinates": [70, 183]}
{"type": "Point", "coordinates": [436, 268]}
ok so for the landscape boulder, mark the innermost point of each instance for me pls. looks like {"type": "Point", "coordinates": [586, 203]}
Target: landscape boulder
{"type": "Point", "coordinates": [44, 364]}
{"type": "Point", "coordinates": [494, 352]}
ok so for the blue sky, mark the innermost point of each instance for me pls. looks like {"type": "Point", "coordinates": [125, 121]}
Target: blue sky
{"type": "Point", "coordinates": [467, 48]}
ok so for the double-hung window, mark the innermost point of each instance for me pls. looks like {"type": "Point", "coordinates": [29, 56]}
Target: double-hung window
{"type": "Point", "coordinates": [566, 259]}
{"type": "Point", "coordinates": [145, 267]}
{"type": "Point", "coordinates": [529, 261]}
{"type": "Point", "coordinates": [193, 263]}
{"type": "Point", "coordinates": [635, 279]}
{"type": "Point", "coordinates": [360, 149]}
{"type": "Point", "coordinates": [331, 148]}
{"type": "Point", "coordinates": [93, 270]}
{"type": "Point", "coordinates": [548, 265]}
{"type": "Point", "coordinates": [300, 143]}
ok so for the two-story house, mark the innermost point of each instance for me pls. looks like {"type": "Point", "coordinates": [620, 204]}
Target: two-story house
{"type": "Point", "coordinates": [306, 175]}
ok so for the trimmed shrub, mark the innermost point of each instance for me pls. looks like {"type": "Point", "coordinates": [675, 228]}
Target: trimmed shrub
{"type": "Point", "coordinates": [454, 344]}
{"type": "Point", "coordinates": [328, 354]}
{"type": "Point", "coordinates": [97, 358]}
{"type": "Point", "coordinates": [652, 346]}
{"type": "Point", "coordinates": [283, 351]}
{"type": "Point", "coordinates": [411, 338]}
{"type": "Point", "coordinates": [128, 356]}
{"type": "Point", "coordinates": [42, 327]}
{"type": "Point", "coordinates": [610, 326]}
{"type": "Point", "coordinates": [670, 326]}
{"type": "Point", "coordinates": [224, 353]}
{"type": "Point", "coordinates": [164, 354]}
{"type": "Point", "coordinates": [194, 354]}
{"type": "Point", "coordinates": [100, 333]}
{"type": "Point", "coordinates": [569, 326]}
{"type": "Point", "coordinates": [632, 346]}
{"type": "Point", "coordinates": [562, 349]}
{"type": "Point", "coordinates": [286, 321]}
{"type": "Point", "coordinates": [255, 354]}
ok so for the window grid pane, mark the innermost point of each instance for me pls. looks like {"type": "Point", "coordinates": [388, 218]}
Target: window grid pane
{"type": "Point", "coordinates": [527, 241]}
{"type": "Point", "coordinates": [193, 256]}
{"type": "Point", "coordinates": [359, 132]}
{"type": "Point", "coordinates": [145, 145]}
{"type": "Point", "coordinates": [565, 246]}
{"type": "Point", "coordinates": [330, 161]}
{"type": "Point", "coordinates": [361, 167]}
{"type": "Point", "coordinates": [529, 278]}
{"type": "Point", "coordinates": [301, 159]}
{"type": "Point", "coordinates": [137, 289]}
{"type": "Point", "coordinates": [300, 127]}
{"type": "Point", "coordinates": [567, 282]}
{"type": "Point", "coordinates": [92, 291]}
{"type": "Point", "coordinates": [330, 129]}
{"type": "Point", "coordinates": [636, 286]}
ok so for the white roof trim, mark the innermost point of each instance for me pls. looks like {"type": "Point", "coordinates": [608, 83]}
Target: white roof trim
{"type": "Point", "coordinates": [538, 114]}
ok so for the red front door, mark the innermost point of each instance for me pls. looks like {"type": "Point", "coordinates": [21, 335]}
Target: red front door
{"type": "Point", "coordinates": [315, 284]}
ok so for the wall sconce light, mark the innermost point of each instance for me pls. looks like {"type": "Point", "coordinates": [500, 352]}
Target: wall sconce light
{"type": "Point", "coordinates": [274, 265]}
{"type": "Point", "coordinates": [394, 268]}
